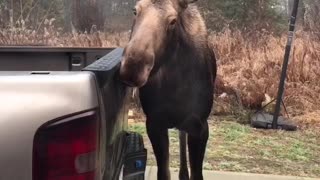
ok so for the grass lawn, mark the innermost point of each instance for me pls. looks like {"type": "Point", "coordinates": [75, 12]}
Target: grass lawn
{"type": "Point", "coordinates": [240, 148]}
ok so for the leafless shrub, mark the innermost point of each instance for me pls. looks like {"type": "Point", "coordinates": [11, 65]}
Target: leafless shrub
{"type": "Point", "coordinates": [252, 69]}
{"type": "Point", "coordinates": [248, 68]}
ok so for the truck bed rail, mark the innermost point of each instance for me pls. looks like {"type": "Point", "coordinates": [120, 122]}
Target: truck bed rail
{"type": "Point", "coordinates": [43, 58]}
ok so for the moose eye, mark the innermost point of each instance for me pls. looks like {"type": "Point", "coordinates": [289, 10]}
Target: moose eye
{"type": "Point", "coordinates": [172, 23]}
{"type": "Point", "coordinates": [134, 11]}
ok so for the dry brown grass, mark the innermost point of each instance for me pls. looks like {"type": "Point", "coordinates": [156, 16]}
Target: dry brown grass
{"type": "Point", "coordinates": [248, 66]}
{"type": "Point", "coordinates": [252, 67]}
{"type": "Point", "coordinates": [51, 36]}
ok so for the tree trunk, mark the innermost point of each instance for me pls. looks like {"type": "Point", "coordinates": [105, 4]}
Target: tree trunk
{"type": "Point", "coordinates": [290, 7]}
{"type": "Point", "coordinates": [74, 13]}
{"type": "Point", "coordinates": [87, 14]}
{"type": "Point", "coordinates": [67, 15]}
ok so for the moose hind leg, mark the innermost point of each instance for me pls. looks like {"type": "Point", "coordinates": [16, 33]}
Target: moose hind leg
{"type": "Point", "coordinates": [183, 172]}
{"type": "Point", "coordinates": [160, 144]}
{"type": "Point", "coordinates": [197, 146]}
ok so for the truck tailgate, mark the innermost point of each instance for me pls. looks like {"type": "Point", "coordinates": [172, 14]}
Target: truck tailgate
{"type": "Point", "coordinates": [29, 100]}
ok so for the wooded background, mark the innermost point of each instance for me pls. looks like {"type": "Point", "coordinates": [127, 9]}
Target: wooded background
{"type": "Point", "coordinates": [248, 36]}
{"type": "Point", "coordinates": [116, 15]}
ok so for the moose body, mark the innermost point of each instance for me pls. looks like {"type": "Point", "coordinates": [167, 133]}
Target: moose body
{"type": "Point", "coordinates": [169, 59]}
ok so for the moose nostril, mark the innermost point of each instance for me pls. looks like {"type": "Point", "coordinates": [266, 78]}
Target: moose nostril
{"type": "Point", "coordinates": [122, 67]}
{"type": "Point", "coordinates": [148, 59]}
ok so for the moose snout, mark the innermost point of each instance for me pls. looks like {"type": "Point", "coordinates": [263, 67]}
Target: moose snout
{"type": "Point", "coordinates": [135, 68]}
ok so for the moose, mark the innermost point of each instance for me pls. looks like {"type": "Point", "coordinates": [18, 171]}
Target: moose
{"type": "Point", "coordinates": [169, 60]}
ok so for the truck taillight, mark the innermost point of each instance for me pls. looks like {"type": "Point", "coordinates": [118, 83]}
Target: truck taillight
{"type": "Point", "coordinates": [67, 149]}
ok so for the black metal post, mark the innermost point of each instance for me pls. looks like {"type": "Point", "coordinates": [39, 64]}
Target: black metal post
{"type": "Point", "coordinates": [285, 64]}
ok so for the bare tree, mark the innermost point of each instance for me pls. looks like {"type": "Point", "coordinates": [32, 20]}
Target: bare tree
{"type": "Point", "coordinates": [67, 15]}
{"type": "Point", "coordinates": [290, 7]}
{"type": "Point", "coordinates": [312, 15]}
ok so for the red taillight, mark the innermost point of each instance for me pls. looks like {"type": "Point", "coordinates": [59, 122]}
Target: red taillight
{"type": "Point", "coordinates": [67, 149]}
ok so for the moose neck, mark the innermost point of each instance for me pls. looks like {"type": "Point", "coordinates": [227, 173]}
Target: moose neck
{"type": "Point", "coordinates": [183, 47]}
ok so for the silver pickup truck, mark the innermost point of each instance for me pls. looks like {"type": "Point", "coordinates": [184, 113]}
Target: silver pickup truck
{"type": "Point", "coordinates": [63, 120]}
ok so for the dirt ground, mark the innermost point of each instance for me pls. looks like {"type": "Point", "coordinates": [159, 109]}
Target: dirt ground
{"type": "Point", "coordinates": [241, 148]}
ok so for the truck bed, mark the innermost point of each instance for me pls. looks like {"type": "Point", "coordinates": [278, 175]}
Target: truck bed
{"type": "Point", "coordinates": [42, 58]}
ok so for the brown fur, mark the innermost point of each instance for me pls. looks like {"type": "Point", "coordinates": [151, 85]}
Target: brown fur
{"type": "Point", "coordinates": [195, 25]}
{"type": "Point", "coordinates": [169, 59]}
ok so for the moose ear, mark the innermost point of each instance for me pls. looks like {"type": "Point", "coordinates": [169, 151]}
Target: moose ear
{"type": "Point", "coordinates": [185, 3]}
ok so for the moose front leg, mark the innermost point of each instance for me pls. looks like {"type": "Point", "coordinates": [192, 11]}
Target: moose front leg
{"type": "Point", "coordinates": [160, 143]}
{"type": "Point", "coordinates": [197, 146]}
{"type": "Point", "coordinates": [183, 172]}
